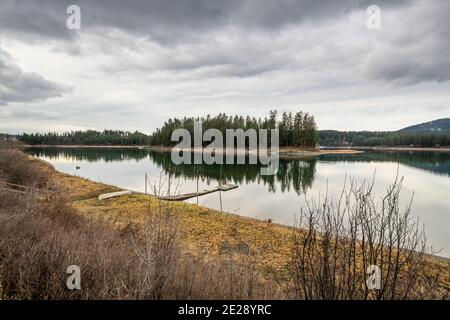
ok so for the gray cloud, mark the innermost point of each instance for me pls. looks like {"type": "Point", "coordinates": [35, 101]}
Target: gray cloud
{"type": "Point", "coordinates": [172, 21]}
{"type": "Point", "coordinates": [191, 32]}
{"type": "Point", "coordinates": [19, 86]}
{"type": "Point", "coordinates": [34, 20]}
{"type": "Point", "coordinates": [146, 60]}
{"type": "Point", "coordinates": [416, 47]}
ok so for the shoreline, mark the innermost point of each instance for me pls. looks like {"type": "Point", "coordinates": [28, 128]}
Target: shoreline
{"type": "Point", "coordinates": [285, 153]}
{"type": "Point", "coordinates": [404, 149]}
{"type": "Point", "coordinates": [201, 220]}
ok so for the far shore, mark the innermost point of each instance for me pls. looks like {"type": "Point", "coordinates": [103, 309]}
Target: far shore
{"type": "Point", "coordinates": [326, 149]}
{"type": "Point", "coordinates": [400, 149]}
{"type": "Point", "coordinates": [285, 153]}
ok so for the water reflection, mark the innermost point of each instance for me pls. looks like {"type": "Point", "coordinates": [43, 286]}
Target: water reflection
{"type": "Point", "coordinates": [435, 162]}
{"type": "Point", "coordinates": [89, 154]}
{"type": "Point", "coordinates": [297, 175]}
{"type": "Point", "coordinates": [292, 175]}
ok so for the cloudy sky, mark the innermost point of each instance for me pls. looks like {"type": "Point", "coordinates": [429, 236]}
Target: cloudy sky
{"type": "Point", "coordinates": [133, 64]}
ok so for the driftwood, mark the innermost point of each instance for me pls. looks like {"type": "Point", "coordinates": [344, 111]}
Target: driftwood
{"type": "Point", "coordinates": [113, 194]}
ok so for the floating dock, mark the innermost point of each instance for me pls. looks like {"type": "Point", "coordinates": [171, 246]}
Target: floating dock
{"type": "Point", "coordinates": [177, 197]}
{"type": "Point", "coordinates": [185, 196]}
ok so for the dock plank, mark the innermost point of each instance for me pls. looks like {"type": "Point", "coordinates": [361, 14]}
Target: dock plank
{"type": "Point", "coordinates": [186, 196]}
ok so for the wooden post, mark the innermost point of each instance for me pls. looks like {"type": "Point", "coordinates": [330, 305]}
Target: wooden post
{"type": "Point", "coordinates": [197, 182]}
{"type": "Point", "coordinates": [146, 183]}
{"type": "Point", "coordinates": [169, 185]}
{"type": "Point", "coordinates": [220, 192]}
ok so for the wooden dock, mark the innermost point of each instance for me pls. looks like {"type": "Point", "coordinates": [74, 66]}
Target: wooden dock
{"type": "Point", "coordinates": [185, 196]}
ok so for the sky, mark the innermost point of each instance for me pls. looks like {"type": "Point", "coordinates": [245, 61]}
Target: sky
{"type": "Point", "coordinates": [134, 64]}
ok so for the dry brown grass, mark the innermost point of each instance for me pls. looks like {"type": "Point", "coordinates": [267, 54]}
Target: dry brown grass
{"type": "Point", "coordinates": [16, 168]}
{"type": "Point", "coordinates": [41, 236]}
{"type": "Point", "coordinates": [203, 231]}
{"type": "Point", "coordinates": [40, 239]}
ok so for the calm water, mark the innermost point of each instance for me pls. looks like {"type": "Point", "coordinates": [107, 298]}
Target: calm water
{"type": "Point", "coordinates": [279, 197]}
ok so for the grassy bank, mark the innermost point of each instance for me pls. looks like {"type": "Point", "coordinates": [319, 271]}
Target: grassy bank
{"type": "Point", "coordinates": [124, 252]}
{"type": "Point", "coordinates": [204, 231]}
{"type": "Point", "coordinates": [137, 246]}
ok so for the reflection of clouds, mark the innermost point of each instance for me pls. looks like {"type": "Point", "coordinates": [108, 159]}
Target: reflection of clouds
{"type": "Point", "coordinates": [62, 160]}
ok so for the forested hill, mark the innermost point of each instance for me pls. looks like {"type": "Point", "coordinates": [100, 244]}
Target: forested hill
{"type": "Point", "coordinates": [440, 125]}
{"type": "Point", "coordinates": [333, 138]}
{"type": "Point", "coordinates": [429, 134]}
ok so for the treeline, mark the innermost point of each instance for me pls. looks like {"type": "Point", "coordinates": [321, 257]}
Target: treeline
{"type": "Point", "coordinates": [383, 138]}
{"type": "Point", "coordinates": [297, 129]}
{"type": "Point", "coordinates": [89, 137]}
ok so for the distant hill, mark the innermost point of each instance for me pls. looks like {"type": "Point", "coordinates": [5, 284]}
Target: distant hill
{"type": "Point", "coordinates": [435, 126]}
{"type": "Point", "coordinates": [429, 134]}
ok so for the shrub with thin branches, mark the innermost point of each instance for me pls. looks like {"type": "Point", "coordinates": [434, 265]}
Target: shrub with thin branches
{"type": "Point", "coordinates": [335, 243]}
{"type": "Point", "coordinates": [41, 236]}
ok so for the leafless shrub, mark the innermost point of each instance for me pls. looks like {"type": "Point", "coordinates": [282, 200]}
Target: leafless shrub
{"type": "Point", "coordinates": [40, 238]}
{"type": "Point", "coordinates": [335, 243]}
{"type": "Point", "coordinates": [10, 144]}
{"type": "Point", "coordinates": [185, 276]}
{"type": "Point", "coordinates": [15, 167]}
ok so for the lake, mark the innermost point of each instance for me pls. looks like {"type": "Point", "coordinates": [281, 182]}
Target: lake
{"type": "Point", "coordinates": [279, 197]}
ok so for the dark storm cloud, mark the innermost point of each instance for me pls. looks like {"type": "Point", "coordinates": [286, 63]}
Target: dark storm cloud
{"type": "Point", "coordinates": [170, 19]}
{"type": "Point", "coordinates": [34, 20]}
{"type": "Point", "coordinates": [420, 52]}
{"type": "Point", "coordinates": [190, 29]}
{"type": "Point", "coordinates": [19, 86]}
